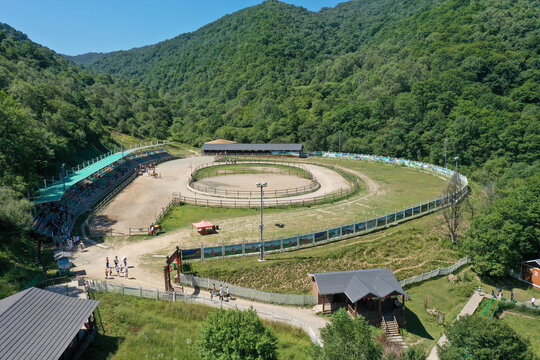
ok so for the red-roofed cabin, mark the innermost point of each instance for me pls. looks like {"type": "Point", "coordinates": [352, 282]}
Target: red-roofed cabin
{"type": "Point", "coordinates": [205, 227]}
{"type": "Point", "coordinates": [530, 272]}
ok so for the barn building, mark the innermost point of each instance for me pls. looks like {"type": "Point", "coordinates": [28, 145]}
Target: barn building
{"type": "Point", "coordinates": [39, 324]}
{"type": "Point", "coordinates": [530, 272]}
{"type": "Point", "coordinates": [373, 293]}
{"type": "Point", "coordinates": [252, 149]}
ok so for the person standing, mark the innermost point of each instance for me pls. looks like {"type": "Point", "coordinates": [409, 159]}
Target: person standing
{"type": "Point", "coordinates": [512, 295]}
{"type": "Point", "coordinates": [124, 260]}
{"type": "Point", "coordinates": [532, 301]}
{"type": "Point", "coordinates": [116, 261]}
{"type": "Point", "coordinates": [106, 273]}
{"type": "Point", "coordinates": [107, 262]}
{"type": "Point", "coordinates": [117, 270]}
{"type": "Point", "coordinates": [221, 293]}
{"type": "Point", "coordinates": [228, 293]}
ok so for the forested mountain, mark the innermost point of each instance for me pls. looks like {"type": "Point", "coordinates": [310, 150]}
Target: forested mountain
{"type": "Point", "coordinates": [396, 76]}
{"type": "Point", "coordinates": [51, 111]}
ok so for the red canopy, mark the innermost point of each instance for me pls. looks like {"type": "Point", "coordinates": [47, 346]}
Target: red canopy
{"type": "Point", "coordinates": [203, 224]}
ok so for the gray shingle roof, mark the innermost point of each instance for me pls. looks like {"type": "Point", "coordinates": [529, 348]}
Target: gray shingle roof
{"type": "Point", "coordinates": [358, 284]}
{"type": "Point", "coordinates": [252, 147]}
{"type": "Point", "coordinates": [39, 324]}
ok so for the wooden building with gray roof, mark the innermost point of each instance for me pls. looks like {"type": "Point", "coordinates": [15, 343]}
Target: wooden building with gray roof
{"type": "Point", "coordinates": [39, 324]}
{"type": "Point", "coordinates": [373, 293]}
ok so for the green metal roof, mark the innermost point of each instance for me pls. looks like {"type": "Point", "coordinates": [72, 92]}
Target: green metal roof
{"type": "Point", "coordinates": [56, 190]}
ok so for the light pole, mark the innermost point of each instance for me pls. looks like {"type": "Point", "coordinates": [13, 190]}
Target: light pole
{"type": "Point", "coordinates": [122, 147]}
{"type": "Point", "coordinates": [456, 158]}
{"type": "Point", "coordinates": [64, 182]}
{"type": "Point", "coordinates": [262, 186]}
{"type": "Point", "coordinates": [445, 149]}
{"type": "Point", "coordinates": [339, 133]}
{"type": "Point", "coordinates": [64, 176]}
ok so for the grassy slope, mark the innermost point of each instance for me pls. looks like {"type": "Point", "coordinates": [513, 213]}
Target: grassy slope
{"type": "Point", "coordinates": [18, 268]}
{"type": "Point", "coordinates": [409, 249]}
{"type": "Point", "coordinates": [143, 328]}
{"type": "Point", "coordinates": [528, 327]}
{"type": "Point", "coordinates": [449, 298]}
{"type": "Point", "coordinates": [174, 148]}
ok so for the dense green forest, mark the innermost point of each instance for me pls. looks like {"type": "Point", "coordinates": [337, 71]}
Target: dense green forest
{"type": "Point", "coordinates": [397, 77]}
{"type": "Point", "coordinates": [51, 111]}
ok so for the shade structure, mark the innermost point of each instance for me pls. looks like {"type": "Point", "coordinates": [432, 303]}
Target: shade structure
{"type": "Point", "coordinates": [203, 224]}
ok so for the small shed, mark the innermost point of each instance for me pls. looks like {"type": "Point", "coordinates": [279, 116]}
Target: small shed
{"type": "Point", "coordinates": [371, 293]}
{"type": "Point", "coordinates": [205, 227]}
{"type": "Point", "coordinates": [40, 324]}
{"type": "Point", "coordinates": [63, 260]}
{"type": "Point", "coordinates": [530, 272]}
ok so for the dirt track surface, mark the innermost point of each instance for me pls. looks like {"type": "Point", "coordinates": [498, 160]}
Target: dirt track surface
{"type": "Point", "coordinates": [140, 203]}
{"type": "Point", "coordinates": [246, 182]}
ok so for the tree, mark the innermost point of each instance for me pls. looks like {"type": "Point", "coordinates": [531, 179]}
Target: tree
{"type": "Point", "coordinates": [508, 230]}
{"type": "Point", "coordinates": [236, 335]}
{"type": "Point", "coordinates": [474, 337]}
{"type": "Point", "coordinates": [453, 213]}
{"type": "Point", "coordinates": [15, 216]}
{"type": "Point", "coordinates": [347, 339]}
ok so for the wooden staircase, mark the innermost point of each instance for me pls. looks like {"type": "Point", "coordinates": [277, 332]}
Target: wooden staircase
{"type": "Point", "coordinates": [391, 328]}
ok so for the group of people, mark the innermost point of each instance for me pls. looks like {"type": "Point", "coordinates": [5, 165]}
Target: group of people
{"type": "Point", "coordinates": [499, 295]}
{"type": "Point", "coordinates": [120, 267]}
{"type": "Point", "coordinates": [221, 294]}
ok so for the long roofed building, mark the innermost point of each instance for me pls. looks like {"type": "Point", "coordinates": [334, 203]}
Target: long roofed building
{"type": "Point", "coordinates": [213, 148]}
{"type": "Point", "coordinates": [40, 324]}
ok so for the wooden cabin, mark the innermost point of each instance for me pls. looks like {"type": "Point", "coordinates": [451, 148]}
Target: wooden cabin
{"type": "Point", "coordinates": [372, 293]}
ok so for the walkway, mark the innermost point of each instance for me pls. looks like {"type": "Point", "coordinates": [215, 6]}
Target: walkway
{"type": "Point", "coordinates": [468, 309]}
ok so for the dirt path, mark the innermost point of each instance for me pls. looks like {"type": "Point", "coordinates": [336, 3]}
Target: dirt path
{"type": "Point", "coordinates": [515, 313]}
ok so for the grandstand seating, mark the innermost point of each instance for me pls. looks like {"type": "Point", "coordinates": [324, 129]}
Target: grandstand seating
{"type": "Point", "coordinates": [58, 217]}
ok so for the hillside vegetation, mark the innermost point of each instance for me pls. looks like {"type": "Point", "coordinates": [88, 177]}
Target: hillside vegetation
{"type": "Point", "coordinates": [397, 77]}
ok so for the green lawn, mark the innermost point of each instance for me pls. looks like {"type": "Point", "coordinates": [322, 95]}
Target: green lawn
{"type": "Point", "coordinates": [449, 298]}
{"type": "Point", "coordinates": [439, 294]}
{"type": "Point", "coordinates": [249, 169]}
{"type": "Point", "coordinates": [528, 326]}
{"type": "Point", "coordinates": [133, 328]}
{"type": "Point", "coordinates": [183, 215]}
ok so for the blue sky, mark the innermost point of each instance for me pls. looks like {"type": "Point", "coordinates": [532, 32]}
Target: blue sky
{"type": "Point", "coordinates": [75, 27]}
